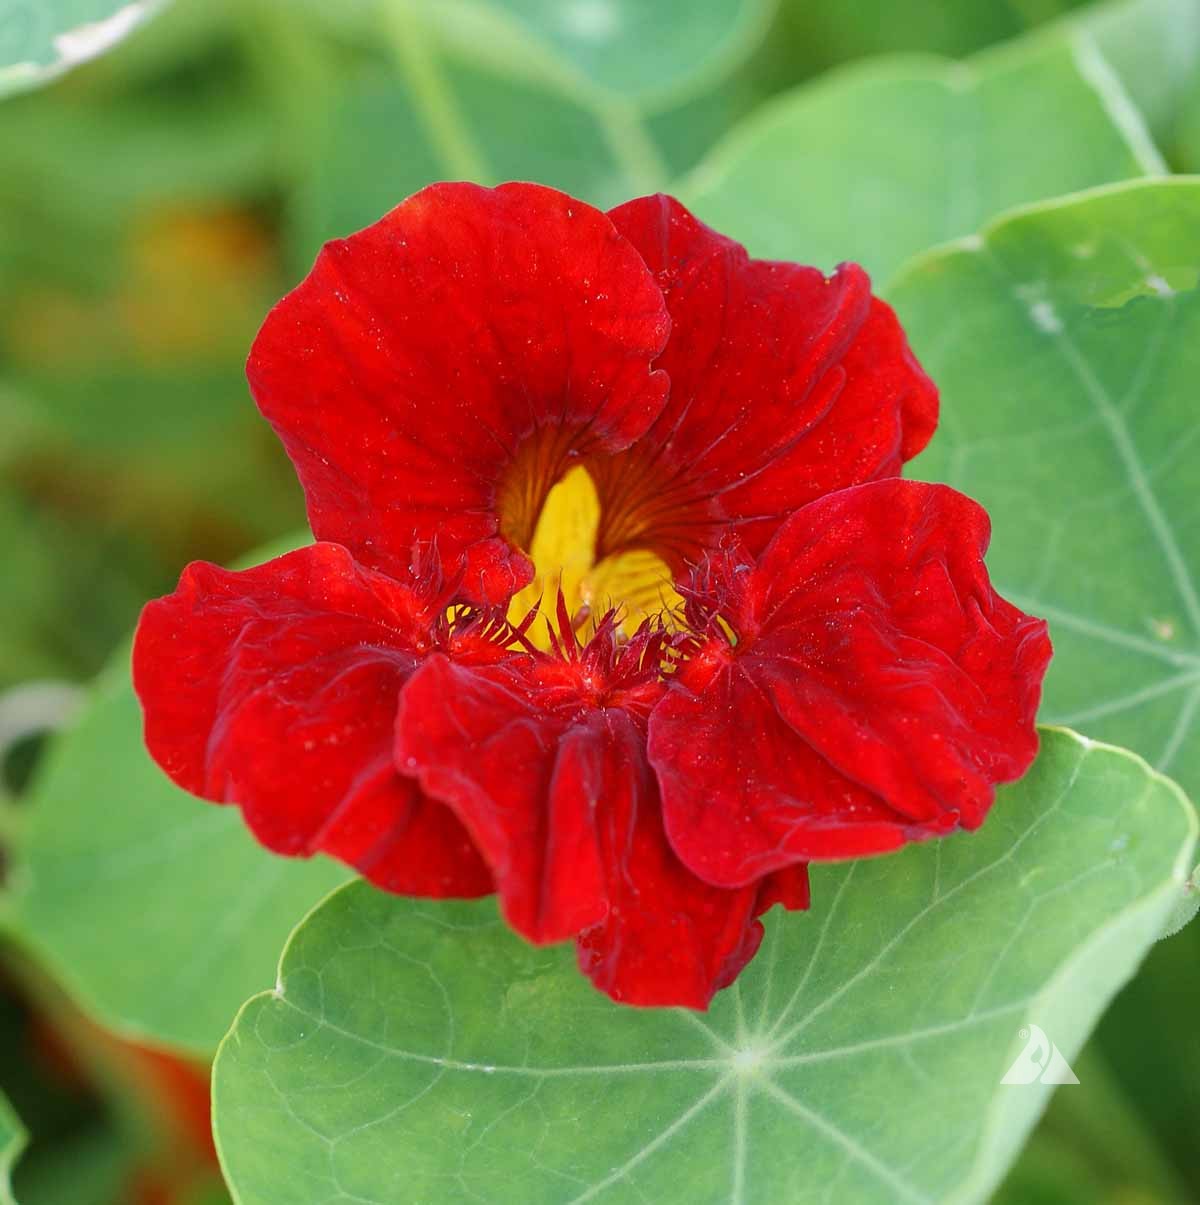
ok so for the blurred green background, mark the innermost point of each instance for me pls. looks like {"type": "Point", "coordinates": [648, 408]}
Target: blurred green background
{"type": "Point", "coordinates": [155, 202]}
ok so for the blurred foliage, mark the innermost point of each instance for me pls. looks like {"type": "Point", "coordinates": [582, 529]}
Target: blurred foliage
{"type": "Point", "coordinates": [156, 201]}
{"type": "Point", "coordinates": [224, 904]}
{"type": "Point", "coordinates": [111, 1123]}
{"type": "Point", "coordinates": [40, 40]}
{"type": "Point", "coordinates": [828, 34]}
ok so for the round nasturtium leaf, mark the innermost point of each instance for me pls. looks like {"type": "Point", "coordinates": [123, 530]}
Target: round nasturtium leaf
{"type": "Point", "coordinates": [876, 162]}
{"type": "Point", "coordinates": [628, 51]}
{"type": "Point", "coordinates": [415, 1050]}
{"type": "Point", "coordinates": [1066, 342]}
{"type": "Point", "coordinates": [1154, 47]}
{"type": "Point", "coordinates": [636, 49]}
{"type": "Point", "coordinates": [41, 39]}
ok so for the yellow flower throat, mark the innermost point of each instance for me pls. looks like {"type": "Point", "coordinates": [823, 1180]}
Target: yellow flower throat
{"type": "Point", "coordinates": [635, 582]}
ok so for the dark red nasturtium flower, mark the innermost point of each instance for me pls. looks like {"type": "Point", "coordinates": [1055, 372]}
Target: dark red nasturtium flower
{"type": "Point", "coordinates": [619, 607]}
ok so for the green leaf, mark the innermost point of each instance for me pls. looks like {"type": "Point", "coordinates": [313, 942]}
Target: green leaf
{"type": "Point", "coordinates": [378, 120]}
{"type": "Point", "coordinates": [420, 1051]}
{"type": "Point", "coordinates": [1066, 343]}
{"type": "Point", "coordinates": [1154, 47]}
{"type": "Point", "coordinates": [12, 1143]}
{"type": "Point", "coordinates": [41, 39]}
{"type": "Point", "coordinates": [646, 52]}
{"type": "Point", "coordinates": [157, 912]}
{"type": "Point", "coordinates": [468, 79]}
{"type": "Point", "coordinates": [1147, 1038]}
{"type": "Point", "coordinates": [1068, 366]}
{"type": "Point", "coordinates": [1189, 147]}
{"type": "Point", "coordinates": [824, 35]}
{"type": "Point", "coordinates": [649, 54]}
{"type": "Point", "coordinates": [1092, 1148]}
{"type": "Point", "coordinates": [878, 162]}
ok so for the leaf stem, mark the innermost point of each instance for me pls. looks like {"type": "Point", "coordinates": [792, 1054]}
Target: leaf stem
{"type": "Point", "coordinates": [631, 145]}
{"type": "Point", "coordinates": [416, 55]}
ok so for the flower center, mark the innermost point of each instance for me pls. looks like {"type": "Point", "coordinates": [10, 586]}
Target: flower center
{"type": "Point", "coordinates": [646, 502]}
{"type": "Point", "coordinates": [566, 548]}
{"type": "Point", "coordinates": [541, 459]}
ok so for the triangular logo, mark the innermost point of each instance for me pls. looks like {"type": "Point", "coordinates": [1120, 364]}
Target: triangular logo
{"type": "Point", "coordinates": [1039, 1061]}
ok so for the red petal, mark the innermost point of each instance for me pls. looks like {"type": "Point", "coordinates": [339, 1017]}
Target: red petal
{"type": "Point", "coordinates": [878, 690]}
{"type": "Point", "coordinates": [785, 385]}
{"type": "Point", "coordinates": [276, 689]}
{"type": "Point", "coordinates": [668, 938]}
{"type": "Point", "coordinates": [558, 795]}
{"type": "Point", "coordinates": [469, 329]}
{"type": "Point", "coordinates": [788, 887]}
{"type": "Point", "coordinates": [525, 791]}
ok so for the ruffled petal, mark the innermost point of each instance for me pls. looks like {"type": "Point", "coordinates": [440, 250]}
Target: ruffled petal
{"type": "Point", "coordinates": [785, 385]}
{"type": "Point", "coordinates": [276, 689]}
{"type": "Point", "coordinates": [437, 372]}
{"type": "Point", "coordinates": [556, 792]}
{"type": "Point", "coordinates": [668, 937]}
{"type": "Point", "coordinates": [523, 783]}
{"type": "Point", "coordinates": [877, 690]}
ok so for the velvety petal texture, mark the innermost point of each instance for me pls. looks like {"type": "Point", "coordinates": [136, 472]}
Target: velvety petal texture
{"type": "Point", "coordinates": [839, 677]}
{"type": "Point", "coordinates": [786, 384]}
{"type": "Point", "coordinates": [276, 689]}
{"type": "Point", "coordinates": [874, 691]}
{"type": "Point", "coordinates": [436, 373]}
{"type": "Point", "coordinates": [523, 780]}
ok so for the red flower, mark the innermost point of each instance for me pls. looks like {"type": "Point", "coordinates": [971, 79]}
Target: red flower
{"type": "Point", "coordinates": [489, 378]}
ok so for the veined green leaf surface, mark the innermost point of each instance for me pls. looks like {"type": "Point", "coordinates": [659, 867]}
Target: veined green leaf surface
{"type": "Point", "coordinates": [876, 162]}
{"type": "Point", "coordinates": [1066, 343]}
{"type": "Point", "coordinates": [419, 1051]}
{"type": "Point", "coordinates": [41, 39]}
